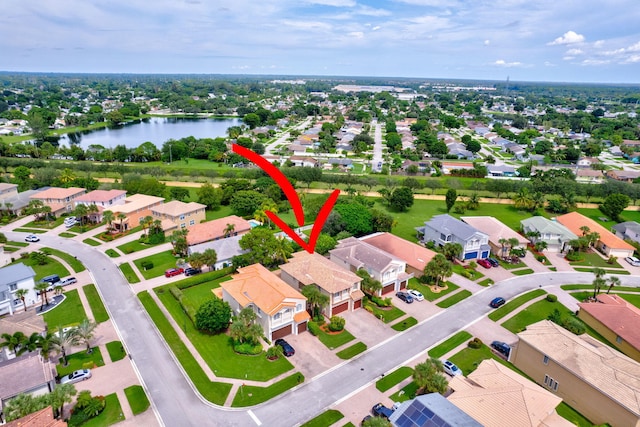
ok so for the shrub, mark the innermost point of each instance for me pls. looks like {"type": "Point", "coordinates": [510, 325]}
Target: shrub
{"type": "Point", "coordinates": [314, 329]}
{"type": "Point", "coordinates": [460, 208]}
{"type": "Point", "coordinates": [552, 298]}
{"type": "Point", "coordinates": [87, 365]}
{"type": "Point", "coordinates": [177, 293]}
{"type": "Point", "coordinates": [274, 352]}
{"type": "Point", "coordinates": [473, 265]}
{"type": "Point", "coordinates": [573, 325]}
{"type": "Point", "coordinates": [147, 265]}
{"type": "Point", "coordinates": [475, 343]}
{"type": "Point", "coordinates": [379, 301]}
{"type": "Point", "coordinates": [336, 324]}
{"type": "Point", "coordinates": [25, 255]}
{"type": "Point", "coordinates": [573, 256]}
{"type": "Point", "coordinates": [247, 348]}
{"type": "Point", "coordinates": [611, 260]}
{"type": "Point", "coordinates": [213, 316]}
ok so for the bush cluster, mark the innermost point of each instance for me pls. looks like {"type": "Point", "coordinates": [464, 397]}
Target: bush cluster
{"type": "Point", "coordinates": [336, 324]}
{"type": "Point", "coordinates": [314, 329]}
{"type": "Point", "coordinates": [475, 343]}
{"type": "Point", "coordinates": [552, 298]}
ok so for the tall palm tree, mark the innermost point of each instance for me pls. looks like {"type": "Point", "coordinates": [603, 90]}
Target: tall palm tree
{"type": "Point", "coordinates": [585, 230]}
{"type": "Point", "coordinates": [146, 223]}
{"type": "Point", "coordinates": [210, 257]}
{"type": "Point", "coordinates": [503, 246]}
{"type": "Point", "coordinates": [61, 341]}
{"type": "Point", "coordinates": [613, 281]}
{"type": "Point", "coordinates": [83, 333]}
{"type": "Point", "coordinates": [45, 344]}
{"type": "Point", "coordinates": [229, 229]}
{"type": "Point", "coordinates": [513, 243]}
{"type": "Point", "coordinates": [67, 175]}
{"type": "Point", "coordinates": [41, 288]}
{"type": "Point", "coordinates": [121, 217]}
{"type": "Point", "coordinates": [22, 293]}
{"type": "Point", "coordinates": [108, 218]}
{"type": "Point", "coordinates": [81, 211]}
{"type": "Point", "coordinates": [13, 342]}
{"type": "Point", "coordinates": [92, 209]}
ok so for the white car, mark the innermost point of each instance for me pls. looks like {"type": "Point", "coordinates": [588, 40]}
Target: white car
{"type": "Point", "coordinates": [633, 261]}
{"type": "Point", "coordinates": [416, 295]}
{"type": "Point", "coordinates": [450, 368]}
{"type": "Point", "coordinates": [67, 281]}
{"type": "Point", "coordinates": [32, 238]}
{"type": "Point", "coordinates": [76, 376]}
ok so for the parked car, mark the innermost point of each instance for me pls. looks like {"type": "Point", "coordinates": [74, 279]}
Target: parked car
{"type": "Point", "coordinates": [450, 368]}
{"type": "Point", "coordinates": [416, 295]}
{"type": "Point", "coordinates": [192, 271]}
{"type": "Point", "coordinates": [485, 263]}
{"type": "Point", "coordinates": [501, 347]}
{"type": "Point", "coordinates": [173, 272]}
{"type": "Point", "coordinates": [405, 296]}
{"type": "Point", "coordinates": [32, 238]}
{"type": "Point", "coordinates": [633, 261]}
{"type": "Point", "coordinates": [76, 376]}
{"type": "Point", "coordinates": [494, 262]}
{"type": "Point", "coordinates": [365, 419]}
{"type": "Point", "coordinates": [497, 302]}
{"type": "Point", "coordinates": [379, 410]}
{"type": "Point", "coordinates": [70, 221]}
{"type": "Point", "coordinates": [68, 281]}
{"type": "Point", "coordinates": [287, 349]}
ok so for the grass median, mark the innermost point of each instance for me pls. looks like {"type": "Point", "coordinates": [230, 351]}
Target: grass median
{"type": "Point", "coordinates": [137, 398]}
{"type": "Point", "coordinates": [514, 304]}
{"type": "Point", "coordinates": [249, 395]}
{"type": "Point", "coordinates": [95, 302]}
{"type": "Point", "coordinates": [394, 378]}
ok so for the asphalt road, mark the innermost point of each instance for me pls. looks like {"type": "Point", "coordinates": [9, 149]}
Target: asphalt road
{"type": "Point", "coordinates": [377, 146]}
{"type": "Point", "coordinates": [179, 405]}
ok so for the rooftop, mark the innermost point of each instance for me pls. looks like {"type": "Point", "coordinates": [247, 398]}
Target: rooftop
{"type": "Point", "coordinates": [41, 418]}
{"type": "Point", "coordinates": [431, 410]}
{"type": "Point", "coordinates": [545, 225]}
{"type": "Point", "coordinates": [100, 196]}
{"type": "Point", "coordinates": [211, 230]}
{"type": "Point", "coordinates": [225, 248]}
{"type": "Point", "coordinates": [618, 315]}
{"type": "Point", "coordinates": [136, 202]}
{"type": "Point", "coordinates": [176, 208]}
{"type": "Point", "coordinates": [16, 272]}
{"type": "Point", "coordinates": [574, 221]}
{"type": "Point", "coordinates": [494, 228]}
{"type": "Point", "coordinates": [314, 268]}
{"type": "Point", "coordinates": [58, 193]}
{"type": "Point", "coordinates": [361, 254]}
{"type": "Point", "coordinates": [445, 223]}
{"type": "Point", "coordinates": [413, 254]}
{"type": "Point", "coordinates": [24, 373]}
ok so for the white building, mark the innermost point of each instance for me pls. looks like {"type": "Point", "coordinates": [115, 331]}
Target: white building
{"type": "Point", "coordinates": [12, 278]}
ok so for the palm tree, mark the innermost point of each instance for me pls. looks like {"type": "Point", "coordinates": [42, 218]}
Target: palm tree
{"type": "Point", "coordinates": [503, 244]}
{"type": "Point", "coordinates": [13, 342]}
{"type": "Point", "coordinates": [613, 281]}
{"type": "Point", "coordinates": [196, 260]}
{"type": "Point", "coordinates": [315, 298]}
{"type": "Point", "coordinates": [41, 288]}
{"type": "Point", "coordinates": [67, 175]}
{"type": "Point", "coordinates": [31, 343]}
{"type": "Point", "coordinates": [61, 341]}
{"type": "Point", "coordinates": [63, 393]}
{"type": "Point", "coordinates": [121, 217]}
{"type": "Point", "coordinates": [540, 246]}
{"type": "Point", "coordinates": [45, 344]}
{"type": "Point", "coordinates": [83, 333]}
{"type": "Point", "coordinates": [108, 218]}
{"type": "Point", "coordinates": [210, 257]}
{"type": "Point", "coordinates": [585, 230]}
{"type": "Point", "coordinates": [92, 209]}
{"type": "Point", "coordinates": [532, 235]}
{"type": "Point", "coordinates": [513, 243]}
{"type": "Point", "coordinates": [81, 211]}
{"type": "Point", "coordinates": [438, 268]}
{"type": "Point", "coordinates": [428, 376]}
{"type": "Point", "coordinates": [22, 293]}
{"type": "Point", "coordinates": [146, 223]}
{"type": "Point", "coordinates": [228, 231]}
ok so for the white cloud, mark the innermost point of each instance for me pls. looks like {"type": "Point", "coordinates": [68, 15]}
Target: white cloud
{"type": "Point", "coordinates": [598, 44]}
{"type": "Point", "coordinates": [595, 62]}
{"type": "Point", "coordinates": [549, 64]}
{"type": "Point", "coordinates": [335, 3]}
{"type": "Point", "coordinates": [487, 42]}
{"type": "Point", "coordinates": [431, 3]}
{"type": "Point", "coordinates": [371, 11]}
{"type": "Point", "coordinates": [307, 25]}
{"type": "Point", "coordinates": [574, 52]}
{"type": "Point", "coordinates": [503, 63]}
{"type": "Point", "coordinates": [356, 34]}
{"type": "Point", "coordinates": [376, 28]}
{"type": "Point", "coordinates": [632, 59]}
{"type": "Point", "coordinates": [570, 37]}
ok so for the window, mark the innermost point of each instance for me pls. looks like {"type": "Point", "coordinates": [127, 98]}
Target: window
{"type": "Point", "coordinates": [181, 217]}
{"type": "Point", "coordinates": [277, 316]}
{"type": "Point", "coordinates": [298, 307]}
{"type": "Point", "coordinates": [183, 225]}
{"type": "Point", "coordinates": [13, 286]}
{"type": "Point", "coordinates": [619, 339]}
{"type": "Point", "coordinates": [192, 222]}
{"type": "Point", "coordinates": [551, 383]}
{"type": "Point", "coordinates": [545, 359]}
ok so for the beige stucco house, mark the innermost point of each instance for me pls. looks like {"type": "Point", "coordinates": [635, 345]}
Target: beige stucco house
{"type": "Point", "coordinates": [176, 214]}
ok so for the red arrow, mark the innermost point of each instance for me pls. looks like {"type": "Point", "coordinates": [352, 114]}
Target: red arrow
{"type": "Point", "coordinates": [293, 198]}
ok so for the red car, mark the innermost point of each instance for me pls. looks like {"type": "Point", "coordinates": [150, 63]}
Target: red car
{"type": "Point", "coordinates": [173, 272]}
{"type": "Point", "coordinates": [485, 263]}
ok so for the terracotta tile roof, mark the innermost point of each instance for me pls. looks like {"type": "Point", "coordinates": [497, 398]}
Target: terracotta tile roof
{"type": "Point", "coordinates": [413, 254]}
{"type": "Point", "coordinates": [211, 230]}
{"type": "Point", "coordinates": [301, 316]}
{"type": "Point", "coordinates": [496, 396]}
{"type": "Point", "coordinates": [314, 268]}
{"type": "Point", "coordinates": [136, 202]}
{"type": "Point", "coordinates": [361, 254]}
{"type": "Point", "coordinates": [24, 373]}
{"type": "Point", "coordinates": [593, 362]}
{"type": "Point", "coordinates": [42, 418]}
{"type": "Point", "coordinates": [176, 208]}
{"type": "Point", "coordinates": [494, 228]}
{"type": "Point", "coordinates": [573, 221]}
{"type": "Point", "coordinates": [58, 193]}
{"type": "Point", "coordinates": [100, 196]}
{"type": "Point", "coordinates": [620, 316]}
{"type": "Point", "coordinates": [257, 285]}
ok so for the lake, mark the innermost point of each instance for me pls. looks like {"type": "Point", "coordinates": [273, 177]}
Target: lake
{"type": "Point", "coordinates": [156, 129]}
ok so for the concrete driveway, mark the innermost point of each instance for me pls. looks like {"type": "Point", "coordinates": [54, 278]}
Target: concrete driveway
{"type": "Point", "coordinates": [312, 357]}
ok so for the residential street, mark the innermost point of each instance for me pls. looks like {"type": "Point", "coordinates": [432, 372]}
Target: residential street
{"type": "Point", "coordinates": [174, 397]}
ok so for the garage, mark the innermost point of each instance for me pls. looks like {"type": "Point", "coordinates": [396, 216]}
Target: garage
{"type": "Point", "coordinates": [281, 333]}
{"type": "Point", "coordinates": [471, 255]}
{"type": "Point", "coordinates": [485, 254]}
{"type": "Point", "coordinates": [403, 285]}
{"type": "Point", "coordinates": [357, 304]}
{"type": "Point", "coordinates": [388, 288]}
{"type": "Point", "coordinates": [302, 327]}
{"type": "Point", "coordinates": [340, 308]}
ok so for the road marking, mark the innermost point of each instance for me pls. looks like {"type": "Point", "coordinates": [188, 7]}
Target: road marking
{"type": "Point", "coordinates": [253, 417]}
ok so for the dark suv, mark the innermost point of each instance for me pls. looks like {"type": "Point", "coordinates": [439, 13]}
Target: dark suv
{"type": "Point", "coordinates": [497, 302]}
{"type": "Point", "coordinates": [192, 271]}
{"type": "Point", "coordinates": [379, 410]}
{"type": "Point", "coordinates": [287, 349]}
{"type": "Point", "coordinates": [405, 296]}
{"type": "Point", "coordinates": [501, 347]}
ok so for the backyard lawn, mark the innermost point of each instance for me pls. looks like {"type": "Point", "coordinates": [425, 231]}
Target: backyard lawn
{"type": "Point", "coordinates": [161, 262]}
{"type": "Point", "coordinates": [200, 293]}
{"type": "Point", "coordinates": [218, 353]}
{"type": "Point", "coordinates": [78, 360]}
{"type": "Point", "coordinates": [68, 312]}
{"type": "Point", "coordinates": [536, 312]}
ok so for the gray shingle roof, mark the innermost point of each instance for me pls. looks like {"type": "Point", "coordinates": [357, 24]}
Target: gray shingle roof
{"type": "Point", "coordinates": [360, 254]}
{"type": "Point", "coordinates": [225, 248]}
{"type": "Point", "coordinates": [627, 225]}
{"type": "Point", "coordinates": [447, 224]}
{"type": "Point", "coordinates": [15, 273]}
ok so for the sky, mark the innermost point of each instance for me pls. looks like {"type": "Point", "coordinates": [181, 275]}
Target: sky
{"type": "Point", "coordinates": [523, 40]}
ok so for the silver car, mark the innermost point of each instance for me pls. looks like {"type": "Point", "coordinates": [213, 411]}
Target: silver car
{"type": "Point", "coordinates": [76, 376]}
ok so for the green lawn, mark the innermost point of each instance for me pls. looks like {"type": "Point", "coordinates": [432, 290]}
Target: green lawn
{"type": "Point", "coordinates": [454, 299]}
{"type": "Point", "coordinates": [218, 353]}
{"type": "Point", "coordinates": [352, 351]}
{"type": "Point", "coordinates": [161, 262]}
{"type": "Point", "coordinates": [632, 298]}
{"type": "Point", "coordinates": [522, 272]}
{"type": "Point", "coordinates": [18, 244]}
{"type": "Point", "coordinates": [67, 235]}
{"type": "Point", "coordinates": [95, 302]}
{"type": "Point", "coordinates": [509, 266]}
{"type": "Point", "coordinates": [592, 259]}
{"type": "Point", "coordinates": [51, 267]}
{"type": "Point", "coordinates": [486, 282]}
{"type": "Point", "coordinates": [73, 262]}
{"type": "Point", "coordinates": [92, 242]}
{"type": "Point", "coordinates": [469, 358]}
{"type": "Point", "coordinates": [607, 271]}
{"type": "Point", "coordinates": [449, 344]}
{"type": "Point", "coordinates": [29, 230]}
{"type": "Point", "coordinates": [325, 419]}
{"type": "Point", "coordinates": [111, 253]}
{"type": "Point", "coordinates": [581, 296]}
{"type": "Point", "coordinates": [135, 246]}
{"type": "Point", "coordinates": [581, 287]}
{"type": "Point", "coordinates": [137, 399]}
{"type": "Point", "coordinates": [77, 361]}
{"type": "Point", "coordinates": [395, 377]}
{"type": "Point", "coordinates": [333, 340]}
{"type": "Point", "coordinates": [573, 416]}
{"type": "Point", "coordinates": [47, 225]}
{"type": "Point", "coordinates": [200, 293]}
{"type": "Point", "coordinates": [221, 212]}
{"type": "Point", "coordinates": [111, 414]}
{"type": "Point", "coordinates": [116, 350]}
{"type": "Point", "coordinates": [127, 270]}
{"type": "Point", "coordinates": [69, 312]}
{"type": "Point", "coordinates": [425, 290]}
{"type": "Point", "coordinates": [499, 313]}
{"type": "Point", "coordinates": [464, 272]}
{"type": "Point", "coordinates": [407, 392]}
{"type": "Point", "coordinates": [536, 312]}
{"type": "Point", "coordinates": [252, 395]}
{"type": "Point", "coordinates": [386, 315]}
{"type": "Point", "coordinates": [214, 392]}
{"type": "Point", "coordinates": [405, 324]}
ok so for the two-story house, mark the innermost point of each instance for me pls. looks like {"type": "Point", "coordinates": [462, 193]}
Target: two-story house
{"type": "Point", "coordinates": [135, 208]}
{"type": "Point", "coordinates": [339, 284]}
{"type": "Point", "coordinates": [443, 229]}
{"type": "Point", "coordinates": [60, 200]}
{"type": "Point", "coordinates": [627, 230]}
{"type": "Point", "coordinates": [217, 229]}
{"type": "Point", "coordinates": [177, 214]}
{"type": "Point", "coordinates": [353, 254]}
{"type": "Point", "coordinates": [28, 374]}
{"type": "Point", "coordinates": [599, 382]}
{"type": "Point", "coordinates": [103, 200]}
{"type": "Point", "coordinates": [280, 309]}
{"type": "Point", "coordinates": [12, 278]}
{"type": "Point", "coordinates": [555, 235]}
{"type": "Point", "coordinates": [607, 243]}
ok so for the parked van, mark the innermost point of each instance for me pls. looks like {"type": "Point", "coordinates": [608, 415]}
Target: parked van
{"type": "Point", "coordinates": [54, 278]}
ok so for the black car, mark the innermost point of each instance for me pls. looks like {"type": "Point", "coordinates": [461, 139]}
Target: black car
{"type": "Point", "coordinates": [405, 296]}
{"type": "Point", "coordinates": [497, 302]}
{"type": "Point", "coordinates": [379, 410]}
{"type": "Point", "coordinates": [192, 271]}
{"type": "Point", "coordinates": [494, 262]}
{"type": "Point", "coordinates": [501, 347]}
{"type": "Point", "coordinates": [287, 349]}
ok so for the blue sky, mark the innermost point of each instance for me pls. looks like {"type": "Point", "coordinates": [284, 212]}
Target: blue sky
{"type": "Point", "coordinates": [532, 40]}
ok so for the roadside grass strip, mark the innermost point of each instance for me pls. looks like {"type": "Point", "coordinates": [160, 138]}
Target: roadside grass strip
{"type": "Point", "coordinates": [449, 344]}
{"type": "Point", "coordinates": [352, 351]}
{"type": "Point", "coordinates": [249, 395]}
{"type": "Point", "coordinates": [116, 350]}
{"type": "Point", "coordinates": [394, 378]}
{"type": "Point", "coordinates": [127, 270]}
{"type": "Point", "coordinates": [405, 324]}
{"type": "Point", "coordinates": [454, 299]}
{"type": "Point", "coordinates": [137, 398]}
{"type": "Point", "coordinates": [95, 302]}
{"type": "Point", "coordinates": [514, 304]}
{"type": "Point", "coordinates": [326, 419]}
